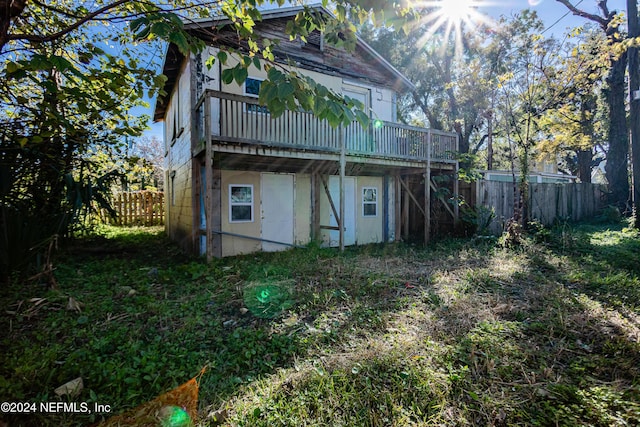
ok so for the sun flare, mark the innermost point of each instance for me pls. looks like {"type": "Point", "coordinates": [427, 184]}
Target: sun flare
{"type": "Point", "coordinates": [457, 10]}
{"type": "Point", "coordinates": [452, 17]}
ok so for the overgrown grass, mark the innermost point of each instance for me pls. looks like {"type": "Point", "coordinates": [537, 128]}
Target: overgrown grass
{"type": "Point", "coordinates": [460, 333]}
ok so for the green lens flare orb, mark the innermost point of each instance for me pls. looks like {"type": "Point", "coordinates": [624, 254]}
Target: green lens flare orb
{"type": "Point", "coordinates": [263, 297]}
{"type": "Point", "coordinates": [174, 416]}
{"type": "Point", "coordinates": [267, 299]}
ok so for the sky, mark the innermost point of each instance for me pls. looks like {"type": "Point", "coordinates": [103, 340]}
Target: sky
{"type": "Point", "coordinates": [555, 16]}
{"type": "Point", "coordinates": [551, 12]}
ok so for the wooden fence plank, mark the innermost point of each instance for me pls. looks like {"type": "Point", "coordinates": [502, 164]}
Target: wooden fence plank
{"type": "Point", "coordinates": [144, 208]}
{"type": "Point", "coordinates": [547, 202]}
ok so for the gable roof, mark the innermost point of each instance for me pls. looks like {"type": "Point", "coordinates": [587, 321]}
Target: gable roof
{"type": "Point", "coordinates": [173, 59]}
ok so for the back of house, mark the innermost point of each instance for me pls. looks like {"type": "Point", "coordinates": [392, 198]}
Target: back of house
{"type": "Point", "coordinates": [241, 181]}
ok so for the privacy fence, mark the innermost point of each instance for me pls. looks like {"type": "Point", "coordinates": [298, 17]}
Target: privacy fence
{"type": "Point", "coordinates": [138, 208]}
{"type": "Point", "coordinates": [547, 202]}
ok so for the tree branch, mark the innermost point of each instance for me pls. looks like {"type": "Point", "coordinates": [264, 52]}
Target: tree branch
{"type": "Point", "coordinates": [603, 22]}
{"type": "Point", "coordinates": [43, 39]}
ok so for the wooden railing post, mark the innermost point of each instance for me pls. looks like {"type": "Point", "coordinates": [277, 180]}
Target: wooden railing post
{"type": "Point", "coordinates": [343, 161]}
{"type": "Point", "coordinates": [427, 193]}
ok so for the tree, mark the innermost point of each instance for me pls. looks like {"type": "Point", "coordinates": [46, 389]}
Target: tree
{"type": "Point", "coordinates": [526, 93]}
{"type": "Point", "coordinates": [146, 161]}
{"type": "Point", "coordinates": [59, 95]}
{"type": "Point", "coordinates": [634, 116]}
{"type": "Point", "coordinates": [454, 79]}
{"type": "Point", "coordinates": [617, 153]}
{"type": "Point", "coordinates": [576, 126]}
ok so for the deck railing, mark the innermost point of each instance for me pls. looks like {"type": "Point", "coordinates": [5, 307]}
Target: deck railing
{"type": "Point", "coordinates": [240, 119]}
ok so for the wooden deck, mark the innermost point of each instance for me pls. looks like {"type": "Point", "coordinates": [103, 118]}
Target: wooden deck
{"type": "Point", "coordinates": [238, 119]}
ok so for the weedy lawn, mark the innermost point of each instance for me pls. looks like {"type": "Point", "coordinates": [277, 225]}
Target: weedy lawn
{"type": "Point", "coordinates": [460, 333]}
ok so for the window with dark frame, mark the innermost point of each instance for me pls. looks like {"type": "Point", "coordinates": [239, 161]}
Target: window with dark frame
{"type": "Point", "coordinates": [252, 89]}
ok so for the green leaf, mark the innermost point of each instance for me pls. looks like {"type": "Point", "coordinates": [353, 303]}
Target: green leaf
{"type": "Point", "coordinates": [362, 118]}
{"type": "Point", "coordinates": [210, 61]}
{"type": "Point", "coordinates": [267, 92]}
{"type": "Point", "coordinates": [319, 105]}
{"type": "Point", "coordinates": [274, 75]}
{"type": "Point", "coordinates": [256, 63]}
{"type": "Point", "coordinates": [240, 74]}
{"type": "Point", "coordinates": [139, 23]}
{"type": "Point", "coordinates": [180, 40]}
{"type": "Point", "coordinates": [285, 90]}
{"type": "Point", "coordinates": [222, 56]}
{"type": "Point", "coordinates": [12, 67]}
{"type": "Point", "coordinates": [276, 107]}
{"type": "Point", "coordinates": [227, 76]}
{"type": "Point", "coordinates": [334, 121]}
{"type": "Point", "coordinates": [161, 29]}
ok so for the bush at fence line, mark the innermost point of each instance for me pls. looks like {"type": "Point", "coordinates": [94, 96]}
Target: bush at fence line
{"type": "Point", "coordinates": [477, 218]}
{"type": "Point", "coordinates": [609, 215]}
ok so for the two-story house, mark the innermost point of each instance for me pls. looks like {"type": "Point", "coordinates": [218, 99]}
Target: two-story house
{"type": "Point", "coordinates": [241, 181]}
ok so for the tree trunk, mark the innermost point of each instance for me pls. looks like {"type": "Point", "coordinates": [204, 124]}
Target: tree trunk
{"type": "Point", "coordinates": [585, 157]}
{"type": "Point", "coordinates": [634, 109]}
{"type": "Point", "coordinates": [617, 162]}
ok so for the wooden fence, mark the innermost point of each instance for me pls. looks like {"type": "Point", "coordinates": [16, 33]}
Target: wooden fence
{"type": "Point", "coordinates": [139, 208]}
{"type": "Point", "coordinates": [547, 202]}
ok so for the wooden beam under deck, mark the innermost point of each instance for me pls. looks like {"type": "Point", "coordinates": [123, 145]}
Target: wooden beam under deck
{"type": "Point", "coordinates": [230, 159]}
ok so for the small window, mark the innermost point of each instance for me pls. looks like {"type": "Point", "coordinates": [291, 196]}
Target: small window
{"type": "Point", "coordinates": [240, 203]}
{"type": "Point", "coordinates": [369, 201]}
{"type": "Point", "coordinates": [252, 89]}
{"type": "Point", "coordinates": [173, 187]}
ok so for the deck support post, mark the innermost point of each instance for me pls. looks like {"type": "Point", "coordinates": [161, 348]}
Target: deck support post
{"type": "Point", "coordinates": [456, 195]}
{"type": "Point", "coordinates": [315, 206]}
{"type": "Point", "coordinates": [343, 162]}
{"type": "Point", "coordinates": [427, 192]}
{"type": "Point", "coordinates": [208, 190]}
{"type": "Point", "coordinates": [398, 208]}
{"type": "Point", "coordinates": [215, 218]}
{"type": "Point", "coordinates": [405, 212]}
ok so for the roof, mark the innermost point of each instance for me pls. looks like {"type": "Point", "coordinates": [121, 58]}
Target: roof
{"type": "Point", "coordinates": [173, 58]}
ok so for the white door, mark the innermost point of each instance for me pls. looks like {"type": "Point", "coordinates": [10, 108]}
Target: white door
{"type": "Point", "coordinates": [277, 211]}
{"type": "Point", "coordinates": [349, 210]}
